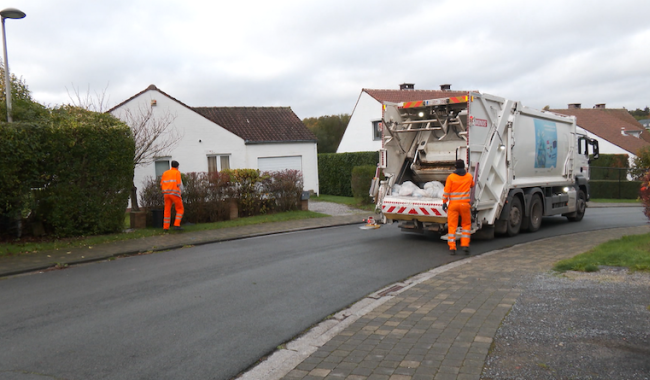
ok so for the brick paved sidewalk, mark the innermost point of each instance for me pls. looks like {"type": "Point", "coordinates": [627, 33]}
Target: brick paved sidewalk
{"type": "Point", "coordinates": [441, 328]}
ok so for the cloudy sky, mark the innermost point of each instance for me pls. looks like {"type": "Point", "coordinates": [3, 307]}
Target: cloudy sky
{"type": "Point", "coordinates": [316, 55]}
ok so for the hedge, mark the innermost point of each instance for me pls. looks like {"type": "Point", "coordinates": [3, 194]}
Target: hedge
{"type": "Point", "coordinates": [614, 189]}
{"type": "Point", "coordinates": [71, 173]}
{"type": "Point", "coordinates": [361, 180]}
{"type": "Point", "coordinates": [335, 170]}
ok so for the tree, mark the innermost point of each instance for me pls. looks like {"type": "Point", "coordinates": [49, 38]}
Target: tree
{"type": "Point", "coordinates": [328, 130]}
{"type": "Point", "coordinates": [152, 130]}
{"type": "Point", "coordinates": [641, 163]}
{"type": "Point", "coordinates": [24, 107]}
{"type": "Point", "coordinates": [640, 114]}
{"type": "Point", "coordinates": [154, 136]}
{"type": "Point", "coordinates": [95, 103]}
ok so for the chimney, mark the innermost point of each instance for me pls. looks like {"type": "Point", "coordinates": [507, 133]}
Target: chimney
{"type": "Point", "coordinates": [575, 105]}
{"type": "Point", "coordinates": [600, 106]}
{"type": "Point", "coordinates": [407, 86]}
{"type": "Point", "coordinates": [445, 87]}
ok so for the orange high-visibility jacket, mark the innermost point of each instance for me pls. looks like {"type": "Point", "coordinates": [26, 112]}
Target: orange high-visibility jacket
{"type": "Point", "coordinates": [170, 183]}
{"type": "Point", "coordinates": [457, 188]}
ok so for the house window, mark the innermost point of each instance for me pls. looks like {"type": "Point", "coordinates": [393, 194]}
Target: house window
{"type": "Point", "coordinates": [162, 165]}
{"type": "Point", "coordinates": [217, 163]}
{"type": "Point", "coordinates": [377, 127]}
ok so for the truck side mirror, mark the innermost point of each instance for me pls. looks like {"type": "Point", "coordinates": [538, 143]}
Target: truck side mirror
{"type": "Point", "coordinates": [594, 143]}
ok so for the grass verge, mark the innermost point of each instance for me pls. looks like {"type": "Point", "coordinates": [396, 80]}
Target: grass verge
{"type": "Point", "coordinates": [632, 252]}
{"type": "Point", "coordinates": [603, 200]}
{"type": "Point", "coordinates": [22, 247]}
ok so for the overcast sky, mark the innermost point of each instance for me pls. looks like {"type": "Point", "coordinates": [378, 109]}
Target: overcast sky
{"type": "Point", "coordinates": [316, 56]}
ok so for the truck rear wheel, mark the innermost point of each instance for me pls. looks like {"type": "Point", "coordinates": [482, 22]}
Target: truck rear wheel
{"type": "Point", "coordinates": [534, 219]}
{"type": "Point", "coordinates": [514, 217]}
{"type": "Point", "coordinates": [581, 206]}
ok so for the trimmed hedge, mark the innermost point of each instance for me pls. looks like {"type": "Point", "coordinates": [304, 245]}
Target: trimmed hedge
{"type": "Point", "coordinates": [609, 167]}
{"type": "Point", "coordinates": [361, 179]}
{"type": "Point", "coordinates": [71, 173]}
{"type": "Point", "coordinates": [614, 189]}
{"type": "Point", "coordinates": [335, 171]}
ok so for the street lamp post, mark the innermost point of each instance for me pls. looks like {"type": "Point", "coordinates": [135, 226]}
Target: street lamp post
{"type": "Point", "coordinates": [15, 14]}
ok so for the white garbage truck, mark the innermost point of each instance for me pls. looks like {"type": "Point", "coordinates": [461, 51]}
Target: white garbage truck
{"type": "Point", "coordinates": [526, 164]}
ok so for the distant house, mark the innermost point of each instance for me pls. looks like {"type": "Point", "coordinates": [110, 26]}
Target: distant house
{"type": "Point", "coordinates": [616, 130]}
{"type": "Point", "coordinates": [645, 123]}
{"type": "Point", "coordinates": [218, 138]}
{"type": "Point", "coordinates": [364, 130]}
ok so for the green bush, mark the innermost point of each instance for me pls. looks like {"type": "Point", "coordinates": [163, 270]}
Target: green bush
{"type": "Point", "coordinates": [361, 179]}
{"type": "Point", "coordinates": [614, 189]}
{"type": "Point", "coordinates": [335, 171]}
{"type": "Point", "coordinates": [22, 151]}
{"type": "Point", "coordinates": [87, 167]}
{"type": "Point", "coordinates": [70, 172]}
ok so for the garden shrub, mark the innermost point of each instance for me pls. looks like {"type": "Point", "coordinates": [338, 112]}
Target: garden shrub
{"type": "Point", "coordinates": [361, 180]}
{"type": "Point", "coordinates": [206, 197]}
{"type": "Point", "coordinates": [246, 186]}
{"type": "Point", "coordinates": [644, 194]}
{"type": "Point", "coordinates": [284, 189]}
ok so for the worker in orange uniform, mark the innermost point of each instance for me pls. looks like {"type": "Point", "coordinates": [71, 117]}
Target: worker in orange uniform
{"type": "Point", "coordinates": [457, 193]}
{"type": "Point", "coordinates": [170, 184]}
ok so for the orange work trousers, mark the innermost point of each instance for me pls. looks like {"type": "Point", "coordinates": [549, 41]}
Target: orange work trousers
{"type": "Point", "coordinates": [178, 205]}
{"type": "Point", "coordinates": [456, 209]}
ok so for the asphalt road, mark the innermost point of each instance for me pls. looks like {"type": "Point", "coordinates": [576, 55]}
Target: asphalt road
{"type": "Point", "coordinates": [210, 312]}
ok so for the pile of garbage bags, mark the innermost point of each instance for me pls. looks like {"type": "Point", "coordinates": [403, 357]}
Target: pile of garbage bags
{"type": "Point", "coordinates": [433, 189]}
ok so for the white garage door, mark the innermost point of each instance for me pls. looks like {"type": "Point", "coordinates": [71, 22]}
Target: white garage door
{"type": "Point", "coordinates": [271, 164]}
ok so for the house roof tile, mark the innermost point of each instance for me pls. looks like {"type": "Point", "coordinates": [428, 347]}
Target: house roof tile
{"type": "Point", "coordinates": [608, 124]}
{"type": "Point", "coordinates": [259, 124]}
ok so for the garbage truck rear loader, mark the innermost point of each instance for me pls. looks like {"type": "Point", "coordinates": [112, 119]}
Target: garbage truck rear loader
{"type": "Point", "coordinates": [526, 163]}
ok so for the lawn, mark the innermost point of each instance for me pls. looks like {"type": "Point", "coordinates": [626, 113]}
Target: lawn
{"type": "Point", "coordinates": [27, 246]}
{"type": "Point", "coordinates": [632, 252]}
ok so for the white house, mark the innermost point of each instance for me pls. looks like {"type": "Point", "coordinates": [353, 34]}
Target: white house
{"type": "Point", "coordinates": [363, 133]}
{"type": "Point", "coordinates": [616, 130]}
{"type": "Point", "coordinates": [217, 138]}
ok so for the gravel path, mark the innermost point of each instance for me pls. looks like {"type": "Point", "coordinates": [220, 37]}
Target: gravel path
{"type": "Point", "coordinates": [576, 326]}
{"type": "Point", "coordinates": [330, 208]}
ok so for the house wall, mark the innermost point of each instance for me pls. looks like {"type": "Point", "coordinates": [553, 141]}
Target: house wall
{"type": "Point", "coordinates": [201, 138]}
{"type": "Point", "coordinates": [189, 152]}
{"type": "Point", "coordinates": [358, 136]}
{"type": "Point", "coordinates": [307, 151]}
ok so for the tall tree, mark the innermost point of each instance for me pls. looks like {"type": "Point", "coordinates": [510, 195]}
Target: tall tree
{"type": "Point", "coordinates": [329, 130]}
{"type": "Point", "coordinates": [154, 134]}
{"type": "Point", "coordinates": [153, 129]}
{"type": "Point", "coordinates": [24, 107]}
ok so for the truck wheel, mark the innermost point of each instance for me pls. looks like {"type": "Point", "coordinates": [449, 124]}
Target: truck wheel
{"type": "Point", "coordinates": [581, 206]}
{"type": "Point", "coordinates": [514, 217]}
{"type": "Point", "coordinates": [535, 215]}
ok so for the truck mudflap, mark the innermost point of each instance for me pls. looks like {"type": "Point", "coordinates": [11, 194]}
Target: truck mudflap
{"type": "Point", "coordinates": [412, 208]}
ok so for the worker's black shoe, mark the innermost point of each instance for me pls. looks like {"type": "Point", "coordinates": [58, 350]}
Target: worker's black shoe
{"type": "Point", "coordinates": [452, 252]}
{"type": "Point", "coordinates": [165, 229]}
{"type": "Point", "coordinates": [466, 249]}
{"type": "Point", "coordinates": [178, 228]}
